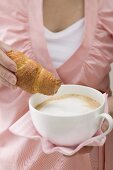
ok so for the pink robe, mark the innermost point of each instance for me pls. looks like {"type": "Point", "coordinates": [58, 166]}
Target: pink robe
{"type": "Point", "coordinates": [21, 25]}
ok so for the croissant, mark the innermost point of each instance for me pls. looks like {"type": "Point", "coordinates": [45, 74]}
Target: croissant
{"type": "Point", "coordinates": [32, 77]}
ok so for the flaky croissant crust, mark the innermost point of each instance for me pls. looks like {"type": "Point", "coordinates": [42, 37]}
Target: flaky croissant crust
{"type": "Point", "coordinates": [32, 77]}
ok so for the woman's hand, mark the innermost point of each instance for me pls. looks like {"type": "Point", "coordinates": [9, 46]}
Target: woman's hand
{"type": "Point", "coordinates": [7, 67]}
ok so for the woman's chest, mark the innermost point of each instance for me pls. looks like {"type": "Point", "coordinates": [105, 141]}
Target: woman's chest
{"type": "Point", "coordinates": [58, 15]}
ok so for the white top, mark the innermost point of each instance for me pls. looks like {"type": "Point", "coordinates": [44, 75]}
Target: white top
{"type": "Point", "coordinates": [61, 45]}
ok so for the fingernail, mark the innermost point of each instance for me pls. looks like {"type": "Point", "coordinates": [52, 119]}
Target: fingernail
{"type": "Point", "coordinates": [12, 80]}
{"type": "Point", "coordinates": [13, 68]}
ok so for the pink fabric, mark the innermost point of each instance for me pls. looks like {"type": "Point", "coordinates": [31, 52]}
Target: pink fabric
{"type": "Point", "coordinates": [21, 25]}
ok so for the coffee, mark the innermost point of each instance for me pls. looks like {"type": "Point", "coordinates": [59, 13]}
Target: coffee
{"type": "Point", "coordinates": [74, 104]}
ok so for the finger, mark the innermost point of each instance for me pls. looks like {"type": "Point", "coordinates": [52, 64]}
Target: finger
{"type": "Point", "coordinates": [7, 75]}
{"type": "Point", "coordinates": [7, 62]}
{"type": "Point", "coordinates": [105, 126]}
{"type": "Point", "coordinates": [4, 47]}
{"type": "Point", "coordinates": [7, 84]}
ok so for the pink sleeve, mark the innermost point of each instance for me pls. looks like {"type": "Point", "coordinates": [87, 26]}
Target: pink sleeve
{"type": "Point", "coordinates": [106, 15]}
{"type": "Point", "coordinates": [97, 66]}
{"type": "Point", "coordinates": [103, 40]}
{"type": "Point", "coordinates": [14, 27]}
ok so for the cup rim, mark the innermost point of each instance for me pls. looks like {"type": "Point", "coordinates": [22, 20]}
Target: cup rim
{"type": "Point", "coordinates": [69, 85]}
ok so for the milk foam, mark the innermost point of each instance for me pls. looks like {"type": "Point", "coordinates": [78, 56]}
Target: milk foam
{"type": "Point", "coordinates": [72, 104]}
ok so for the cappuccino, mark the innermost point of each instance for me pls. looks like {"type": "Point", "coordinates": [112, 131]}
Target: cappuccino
{"type": "Point", "coordinates": [74, 104]}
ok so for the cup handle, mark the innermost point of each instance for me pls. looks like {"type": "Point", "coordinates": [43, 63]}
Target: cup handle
{"type": "Point", "coordinates": [110, 123]}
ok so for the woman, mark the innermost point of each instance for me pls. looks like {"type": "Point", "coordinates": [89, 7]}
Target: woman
{"type": "Point", "coordinates": [74, 40]}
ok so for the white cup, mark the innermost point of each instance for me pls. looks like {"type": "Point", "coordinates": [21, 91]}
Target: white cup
{"type": "Point", "coordinates": [69, 129]}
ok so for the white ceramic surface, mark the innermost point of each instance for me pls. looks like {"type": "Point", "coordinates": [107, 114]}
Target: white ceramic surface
{"type": "Point", "coordinates": [70, 129]}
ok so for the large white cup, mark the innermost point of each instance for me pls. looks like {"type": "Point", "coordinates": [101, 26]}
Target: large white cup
{"type": "Point", "coordinates": [69, 129]}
